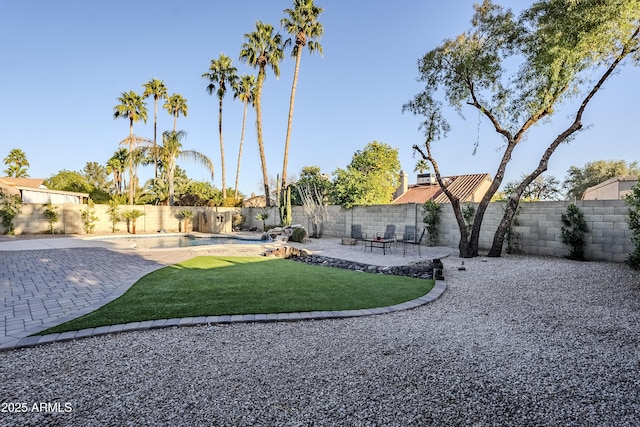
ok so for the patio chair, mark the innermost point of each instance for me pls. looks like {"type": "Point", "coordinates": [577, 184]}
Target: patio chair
{"type": "Point", "coordinates": [411, 239]}
{"type": "Point", "coordinates": [390, 234]}
{"type": "Point", "coordinates": [357, 234]}
{"type": "Point", "coordinates": [409, 233]}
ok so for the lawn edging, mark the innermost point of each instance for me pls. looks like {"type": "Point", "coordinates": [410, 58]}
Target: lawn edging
{"type": "Point", "coordinates": [36, 340]}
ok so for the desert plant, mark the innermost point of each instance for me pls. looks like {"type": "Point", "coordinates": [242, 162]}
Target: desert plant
{"type": "Point", "coordinates": [298, 235]}
{"type": "Point", "coordinates": [132, 216]}
{"type": "Point", "coordinates": [114, 215]}
{"type": "Point", "coordinates": [263, 216]}
{"type": "Point", "coordinates": [633, 219]}
{"type": "Point", "coordinates": [89, 217]}
{"type": "Point", "coordinates": [186, 215]}
{"type": "Point", "coordinates": [431, 219]}
{"type": "Point", "coordinates": [11, 207]}
{"type": "Point", "coordinates": [285, 207]}
{"type": "Point", "coordinates": [574, 232]}
{"type": "Point", "coordinates": [52, 215]}
{"type": "Point", "coordinates": [314, 205]}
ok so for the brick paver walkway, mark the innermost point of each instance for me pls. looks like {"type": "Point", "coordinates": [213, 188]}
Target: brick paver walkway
{"type": "Point", "coordinates": [43, 288]}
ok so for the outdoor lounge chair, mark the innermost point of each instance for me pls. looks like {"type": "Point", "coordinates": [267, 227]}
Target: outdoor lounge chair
{"type": "Point", "coordinates": [410, 238]}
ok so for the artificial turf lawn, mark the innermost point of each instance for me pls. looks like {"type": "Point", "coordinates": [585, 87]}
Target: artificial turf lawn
{"type": "Point", "coordinates": [208, 286]}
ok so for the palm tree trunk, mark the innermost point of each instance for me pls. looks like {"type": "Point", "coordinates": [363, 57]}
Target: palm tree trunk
{"type": "Point", "coordinates": [170, 173]}
{"type": "Point", "coordinates": [244, 122]}
{"type": "Point", "coordinates": [263, 160]}
{"type": "Point", "coordinates": [290, 119]}
{"type": "Point", "coordinates": [175, 120]}
{"type": "Point", "coordinates": [131, 162]}
{"type": "Point", "coordinates": [224, 181]}
{"type": "Point", "coordinates": [155, 134]}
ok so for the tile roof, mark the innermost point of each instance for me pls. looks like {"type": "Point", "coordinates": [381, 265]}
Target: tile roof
{"type": "Point", "coordinates": [465, 187]}
{"type": "Point", "coordinates": [22, 182]}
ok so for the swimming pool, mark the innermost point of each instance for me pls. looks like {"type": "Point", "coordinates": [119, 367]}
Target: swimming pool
{"type": "Point", "coordinates": [179, 241]}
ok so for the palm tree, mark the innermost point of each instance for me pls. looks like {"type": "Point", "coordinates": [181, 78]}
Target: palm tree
{"type": "Point", "coordinates": [302, 23]}
{"type": "Point", "coordinates": [157, 189]}
{"type": "Point", "coordinates": [16, 163]}
{"type": "Point", "coordinates": [115, 166]}
{"type": "Point", "coordinates": [175, 106]}
{"type": "Point", "coordinates": [260, 49]}
{"type": "Point", "coordinates": [221, 71]}
{"type": "Point", "coordinates": [157, 89]}
{"type": "Point", "coordinates": [171, 150]}
{"type": "Point", "coordinates": [245, 91]}
{"type": "Point", "coordinates": [131, 107]}
{"type": "Point", "coordinates": [421, 166]}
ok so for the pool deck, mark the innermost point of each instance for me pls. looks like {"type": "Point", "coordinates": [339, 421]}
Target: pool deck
{"type": "Point", "coordinates": [46, 282]}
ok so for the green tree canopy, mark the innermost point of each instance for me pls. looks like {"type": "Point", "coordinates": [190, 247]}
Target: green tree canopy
{"type": "Point", "coordinates": [593, 173]}
{"type": "Point", "coordinates": [516, 72]}
{"type": "Point", "coordinates": [370, 178]}
{"type": "Point", "coordinates": [67, 180]}
{"type": "Point", "coordinates": [313, 177]}
{"type": "Point", "coordinates": [92, 180]}
{"type": "Point", "coordinates": [544, 187]}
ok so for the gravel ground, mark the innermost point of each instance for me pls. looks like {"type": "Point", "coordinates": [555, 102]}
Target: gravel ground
{"type": "Point", "coordinates": [513, 341]}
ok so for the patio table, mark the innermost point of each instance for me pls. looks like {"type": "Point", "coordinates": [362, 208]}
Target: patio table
{"type": "Point", "coordinates": [378, 243]}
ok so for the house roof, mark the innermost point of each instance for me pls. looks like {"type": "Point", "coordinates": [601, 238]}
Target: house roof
{"type": "Point", "coordinates": [419, 194]}
{"type": "Point", "coordinates": [17, 185]}
{"type": "Point", "coordinates": [256, 202]}
{"type": "Point", "coordinates": [626, 178]}
{"type": "Point", "coordinates": [464, 187]}
{"type": "Point", "coordinates": [22, 182]}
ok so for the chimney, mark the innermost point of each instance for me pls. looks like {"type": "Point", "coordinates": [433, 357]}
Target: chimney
{"type": "Point", "coordinates": [404, 184]}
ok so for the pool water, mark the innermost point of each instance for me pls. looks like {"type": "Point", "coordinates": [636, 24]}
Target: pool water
{"type": "Point", "coordinates": [163, 242]}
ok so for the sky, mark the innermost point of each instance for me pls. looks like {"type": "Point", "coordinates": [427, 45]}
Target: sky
{"type": "Point", "coordinates": [64, 64]}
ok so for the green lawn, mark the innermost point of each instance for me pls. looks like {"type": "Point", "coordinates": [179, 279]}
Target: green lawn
{"type": "Point", "coordinates": [207, 286]}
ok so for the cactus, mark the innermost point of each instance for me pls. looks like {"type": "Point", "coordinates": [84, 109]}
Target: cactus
{"type": "Point", "coordinates": [285, 208]}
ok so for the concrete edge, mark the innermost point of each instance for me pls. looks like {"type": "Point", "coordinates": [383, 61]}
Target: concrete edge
{"type": "Point", "coordinates": [37, 340]}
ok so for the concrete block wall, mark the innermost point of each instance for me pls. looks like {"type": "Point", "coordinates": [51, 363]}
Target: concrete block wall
{"type": "Point", "coordinates": [33, 221]}
{"type": "Point", "coordinates": [539, 226]}
{"type": "Point", "coordinates": [539, 223]}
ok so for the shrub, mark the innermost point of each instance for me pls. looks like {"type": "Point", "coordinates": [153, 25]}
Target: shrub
{"type": "Point", "coordinates": [132, 216]}
{"type": "Point", "coordinates": [52, 215]}
{"type": "Point", "coordinates": [11, 207]}
{"type": "Point", "coordinates": [431, 219]}
{"type": "Point", "coordinates": [186, 215]}
{"type": "Point", "coordinates": [633, 219]}
{"type": "Point", "coordinates": [89, 217]}
{"type": "Point", "coordinates": [114, 215]}
{"type": "Point", "coordinates": [263, 216]}
{"type": "Point", "coordinates": [298, 235]}
{"type": "Point", "coordinates": [574, 231]}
